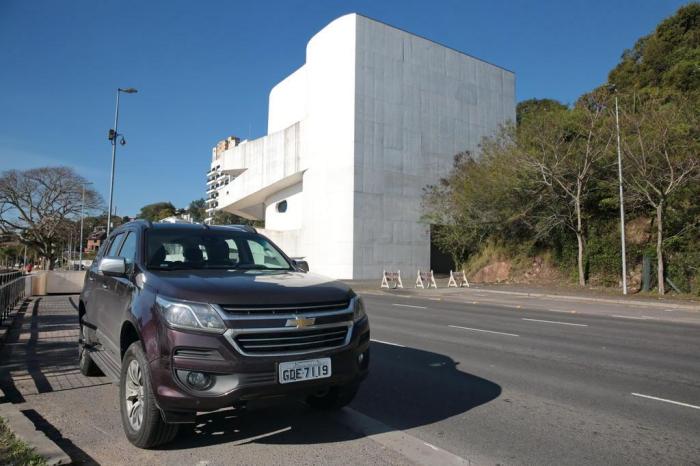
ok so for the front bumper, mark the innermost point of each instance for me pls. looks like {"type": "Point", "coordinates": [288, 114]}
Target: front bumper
{"type": "Point", "coordinates": [238, 377]}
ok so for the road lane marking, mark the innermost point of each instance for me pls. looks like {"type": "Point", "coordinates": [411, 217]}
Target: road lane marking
{"type": "Point", "coordinates": [562, 310]}
{"type": "Point", "coordinates": [402, 442]}
{"type": "Point", "coordinates": [387, 343]}
{"type": "Point", "coordinates": [556, 322]}
{"type": "Point", "coordinates": [632, 317]}
{"type": "Point", "coordinates": [511, 306]}
{"type": "Point", "coordinates": [482, 330]}
{"type": "Point", "coordinates": [409, 305]}
{"type": "Point", "coordinates": [666, 401]}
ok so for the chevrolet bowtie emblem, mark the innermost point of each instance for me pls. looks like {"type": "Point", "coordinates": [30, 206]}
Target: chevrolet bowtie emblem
{"type": "Point", "coordinates": [300, 322]}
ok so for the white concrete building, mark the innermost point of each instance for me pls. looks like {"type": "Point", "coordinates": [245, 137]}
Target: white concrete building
{"type": "Point", "coordinates": [354, 135]}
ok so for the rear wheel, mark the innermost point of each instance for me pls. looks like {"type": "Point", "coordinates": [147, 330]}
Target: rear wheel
{"type": "Point", "coordinates": [333, 398]}
{"type": "Point", "coordinates": [85, 362]}
{"type": "Point", "coordinates": [142, 421]}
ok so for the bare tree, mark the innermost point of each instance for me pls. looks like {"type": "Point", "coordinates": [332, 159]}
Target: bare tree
{"type": "Point", "coordinates": [563, 148]}
{"type": "Point", "coordinates": [661, 141]}
{"type": "Point", "coordinates": [39, 205]}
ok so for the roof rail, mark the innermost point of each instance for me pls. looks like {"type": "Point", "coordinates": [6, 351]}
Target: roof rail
{"type": "Point", "coordinates": [248, 228]}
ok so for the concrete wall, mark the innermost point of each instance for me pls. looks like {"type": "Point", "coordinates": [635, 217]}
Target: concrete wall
{"type": "Point", "coordinates": [292, 218]}
{"type": "Point", "coordinates": [418, 104]}
{"type": "Point", "coordinates": [288, 102]}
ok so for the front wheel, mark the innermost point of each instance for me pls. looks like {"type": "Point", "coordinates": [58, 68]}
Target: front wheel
{"type": "Point", "coordinates": [333, 398]}
{"type": "Point", "coordinates": [143, 424]}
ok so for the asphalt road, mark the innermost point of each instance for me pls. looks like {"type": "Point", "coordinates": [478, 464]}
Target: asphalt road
{"type": "Point", "coordinates": [470, 382]}
{"type": "Point", "coordinates": [522, 386]}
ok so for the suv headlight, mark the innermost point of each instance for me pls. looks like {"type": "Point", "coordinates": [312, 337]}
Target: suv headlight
{"type": "Point", "coordinates": [358, 311]}
{"type": "Point", "coordinates": [191, 316]}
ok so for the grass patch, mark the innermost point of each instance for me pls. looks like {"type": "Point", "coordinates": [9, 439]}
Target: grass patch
{"type": "Point", "coordinates": [15, 452]}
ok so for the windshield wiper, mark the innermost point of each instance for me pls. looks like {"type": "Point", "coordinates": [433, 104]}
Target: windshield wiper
{"type": "Point", "coordinates": [256, 267]}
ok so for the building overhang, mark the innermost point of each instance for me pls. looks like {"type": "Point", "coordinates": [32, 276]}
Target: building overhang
{"type": "Point", "coordinates": [252, 206]}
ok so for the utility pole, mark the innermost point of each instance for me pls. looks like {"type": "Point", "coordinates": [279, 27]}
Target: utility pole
{"type": "Point", "coordinates": [622, 205]}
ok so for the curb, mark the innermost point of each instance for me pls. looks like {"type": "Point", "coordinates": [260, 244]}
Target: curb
{"type": "Point", "coordinates": [25, 430]}
{"type": "Point", "coordinates": [678, 306]}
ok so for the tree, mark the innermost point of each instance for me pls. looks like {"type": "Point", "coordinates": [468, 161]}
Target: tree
{"type": "Point", "coordinates": [221, 217]}
{"type": "Point", "coordinates": [563, 148]}
{"type": "Point", "coordinates": [157, 211]}
{"type": "Point", "coordinates": [661, 145]}
{"type": "Point", "coordinates": [669, 58]}
{"type": "Point", "coordinates": [534, 107]}
{"type": "Point", "coordinates": [197, 210]}
{"type": "Point", "coordinates": [40, 204]}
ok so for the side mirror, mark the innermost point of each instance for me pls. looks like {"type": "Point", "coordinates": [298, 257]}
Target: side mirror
{"type": "Point", "coordinates": [300, 265]}
{"type": "Point", "coordinates": [113, 266]}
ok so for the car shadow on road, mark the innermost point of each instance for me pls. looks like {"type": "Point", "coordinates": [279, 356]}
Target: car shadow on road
{"type": "Point", "coordinates": [406, 388]}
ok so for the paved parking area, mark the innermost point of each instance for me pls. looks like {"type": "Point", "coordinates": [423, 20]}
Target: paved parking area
{"type": "Point", "coordinates": [38, 371]}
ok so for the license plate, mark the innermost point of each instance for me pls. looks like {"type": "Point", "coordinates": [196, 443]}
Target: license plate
{"type": "Point", "coordinates": [311, 369]}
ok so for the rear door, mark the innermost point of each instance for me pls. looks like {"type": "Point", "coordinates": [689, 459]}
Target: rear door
{"type": "Point", "coordinates": [91, 294]}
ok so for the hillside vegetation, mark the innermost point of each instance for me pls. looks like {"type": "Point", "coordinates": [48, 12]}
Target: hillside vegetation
{"type": "Point", "coordinates": [542, 194]}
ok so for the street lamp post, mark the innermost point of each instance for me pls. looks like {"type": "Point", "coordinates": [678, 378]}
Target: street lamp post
{"type": "Point", "coordinates": [82, 218]}
{"type": "Point", "coordinates": [622, 205]}
{"type": "Point", "coordinates": [113, 134]}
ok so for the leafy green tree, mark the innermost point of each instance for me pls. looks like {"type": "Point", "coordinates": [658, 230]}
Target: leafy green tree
{"type": "Point", "coordinates": [564, 148]}
{"type": "Point", "coordinates": [667, 59]}
{"type": "Point", "coordinates": [157, 211]}
{"type": "Point", "coordinates": [197, 210]}
{"type": "Point", "coordinates": [662, 153]}
{"type": "Point", "coordinates": [222, 217]}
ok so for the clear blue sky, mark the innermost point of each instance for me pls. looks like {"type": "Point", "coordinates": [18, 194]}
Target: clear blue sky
{"type": "Point", "coordinates": [204, 70]}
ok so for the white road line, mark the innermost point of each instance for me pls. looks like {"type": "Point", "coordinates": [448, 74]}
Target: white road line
{"type": "Point", "coordinates": [481, 330]}
{"type": "Point", "coordinates": [561, 310]}
{"type": "Point", "coordinates": [387, 343]}
{"type": "Point", "coordinates": [413, 448]}
{"type": "Point", "coordinates": [409, 305]}
{"type": "Point", "coordinates": [666, 401]}
{"type": "Point", "coordinates": [556, 322]}
{"type": "Point", "coordinates": [632, 317]}
{"type": "Point", "coordinates": [511, 306]}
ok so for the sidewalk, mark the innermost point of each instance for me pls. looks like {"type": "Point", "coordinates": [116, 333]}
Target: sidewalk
{"type": "Point", "coordinates": [40, 355]}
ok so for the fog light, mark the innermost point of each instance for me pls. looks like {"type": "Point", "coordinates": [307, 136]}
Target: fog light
{"type": "Point", "coordinates": [361, 358]}
{"type": "Point", "coordinates": [199, 380]}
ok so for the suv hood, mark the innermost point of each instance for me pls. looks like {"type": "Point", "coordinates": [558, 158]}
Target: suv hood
{"type": "Point", "coordinates": [248, 287]}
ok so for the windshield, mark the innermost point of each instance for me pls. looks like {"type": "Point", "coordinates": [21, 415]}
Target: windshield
{"type": "Point", "coordinates": [211, 249]}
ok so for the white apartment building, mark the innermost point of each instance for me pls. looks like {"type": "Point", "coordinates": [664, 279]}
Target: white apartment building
{"type": "Point", "coordinates": [373, 116]}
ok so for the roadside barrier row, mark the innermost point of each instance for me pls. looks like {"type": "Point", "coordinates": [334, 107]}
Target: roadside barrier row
{"type": "Point", "coordinates": [392, 280]}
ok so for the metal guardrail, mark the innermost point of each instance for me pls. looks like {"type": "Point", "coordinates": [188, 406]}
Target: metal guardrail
{"type": "Point", "coordinates": [12, 286]}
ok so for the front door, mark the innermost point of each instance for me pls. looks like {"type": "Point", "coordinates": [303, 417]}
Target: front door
{"type": "Point", "coordinates": [118, 295]}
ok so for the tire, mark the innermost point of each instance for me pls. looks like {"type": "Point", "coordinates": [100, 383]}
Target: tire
{"type": "Point", "coordinates": [85, 362]}
{"type": "Point", "coordinates": [334, 398]}
{"type": "Point", "coordinates": [144, 429]}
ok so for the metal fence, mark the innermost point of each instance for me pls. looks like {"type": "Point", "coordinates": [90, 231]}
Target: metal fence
{"type": "Point", "coordinates": [12, 286]}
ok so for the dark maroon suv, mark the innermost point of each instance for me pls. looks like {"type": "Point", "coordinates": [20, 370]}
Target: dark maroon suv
{"type": "Point", "coordinates": [190, 318]}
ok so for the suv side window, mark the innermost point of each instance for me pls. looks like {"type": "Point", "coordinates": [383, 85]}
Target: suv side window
{"type": "Point", "coordinates": [128, 249]}
{"type": "Point", "coordinates": [114, 245]}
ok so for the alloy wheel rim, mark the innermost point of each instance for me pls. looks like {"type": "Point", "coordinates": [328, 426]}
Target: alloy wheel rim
{"type": "Point", "coordinates": [133, 392]}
